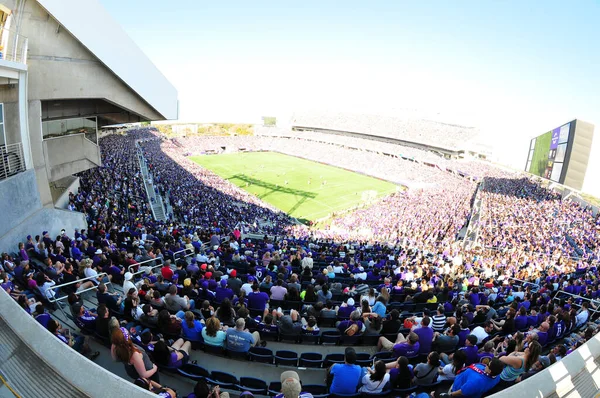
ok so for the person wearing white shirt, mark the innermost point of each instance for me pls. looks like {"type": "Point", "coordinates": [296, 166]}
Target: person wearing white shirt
{"type": "Point", "coordinates": [483, 332]}
{"type": "Point", "coordinates": [307, 261]}
{"type": "Point", "coordinates": [583, 315]}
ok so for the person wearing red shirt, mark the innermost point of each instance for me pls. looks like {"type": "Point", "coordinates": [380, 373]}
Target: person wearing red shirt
{"type": "Point", "coordinates": [166, 271]}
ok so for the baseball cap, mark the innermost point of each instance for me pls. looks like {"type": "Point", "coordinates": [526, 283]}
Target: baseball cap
{"type": "Point", "coordinates": [223, 282]}
{"type": "Point", "coordinates": [128, 276]}
{"type": "Point", "coordinates": [208, 275]}
{"type": "Point", "coordinates": [233, 273]}
{"type": "Point", "coordinates": [203, 267]}
{"type": "Point", "coordinates": [545, 361]}
{"type": "Point", "coordinates": [290, 384]}
{"type": "Point", "coordinates": [250, 279]}
{"type": "Point", "coordinates": [98, 251]}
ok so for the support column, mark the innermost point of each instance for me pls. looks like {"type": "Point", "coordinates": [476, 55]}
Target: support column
{"type": "Point", "coordinates": [24, 120]}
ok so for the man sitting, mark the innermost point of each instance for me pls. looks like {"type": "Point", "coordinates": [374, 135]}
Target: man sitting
{"type": "Point", "coordinates": [406, 347]}
{"type": "Point", "coordinates": [345, 376]}
{"type": "Point", "coordinates": [112, 300]}
{"type": "Point", "coordinates": [240, 339]}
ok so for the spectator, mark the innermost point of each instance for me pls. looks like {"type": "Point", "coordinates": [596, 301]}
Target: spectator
{"type": "Point", "coordinates": [240, 339]}
{"type": "Point", "coordinates": [212, 333]}
{"type": "Point", "coordinates": [78, 343]}
{"type": "Point", "coordinates": [344, 378]}
{"type": "Point", "coordinates": [426, 373]}
{"type": "Point", "coordinates": [291, 387]}
{"type": "Point", "coordinates": [137, 362]}
{"type": "Point", "coordinates": [475, 381]}
{"type": "Point", "coordinates": [148, 384]}
{"type": "Point", "coordinates": [375, 379]}
{"type": "Point", "coordinates": [173, 356]}
{"type": "Point", "coordinates": [191, 328]}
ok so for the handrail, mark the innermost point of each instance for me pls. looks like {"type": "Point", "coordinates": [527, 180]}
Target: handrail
{"type": "Point", "coordinates": [54, 299]}
{"type": "Point", "coordinates": [155, 259]}
{"type": "Point", "coordinates": [578, 296]}
{"type": "Point", "coordinates": [16, 46]}
{"type": "Point", "coordinates": [159, 265]}
{"type": "Point", "coordinates": [525, 282]}
{"type": "Point", "coordinates": [12, 160]}
{"type": "Point", "coordinates": [143, 262]}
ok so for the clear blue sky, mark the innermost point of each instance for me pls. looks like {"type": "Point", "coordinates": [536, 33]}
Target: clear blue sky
{"type": "Point", "coordinates": [514, 68]}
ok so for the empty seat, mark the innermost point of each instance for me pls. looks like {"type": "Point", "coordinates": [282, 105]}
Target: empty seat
{"type": "Point", "coordinates": [286, 358]}
{"type": "Point", "coordinates": [311, 360]}
{"type": "Point", "coordinates": [349, 340]}
{"type": "Point", "coordinates": [223, 379]}
{"type": "Point", "coordinates": [237, 355]}
{"type": "Point", "coordinates": [363, 359]}
{"type": "Point", "coordinates": [330, 337]}
{"type": "Point", "coordinates": [255, 386]}
{"type": "Point", "coordinates": [294, 338]}
{"type": "Point", "coordinates": [213, 349]}
{"type": "Point", "coordinates": [261, 354]}
{"type": "Point", "coordinates": [193, 372]}
{"type": "Point", "coordinates": [330, 359]}
{"type": "Point", "coordinates": [274, 388]}
{"type": "Point", "coordinates": [317, 390]}
{"type": "Point", "coordinates": [310, 338]}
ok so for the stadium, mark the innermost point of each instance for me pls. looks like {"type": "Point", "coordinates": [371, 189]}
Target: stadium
{"type": "Point", "coordinates": [343, 255]}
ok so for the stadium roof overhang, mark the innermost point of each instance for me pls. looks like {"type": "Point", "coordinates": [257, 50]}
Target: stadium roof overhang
{"type": "Point", "coordinates": [105, 112]}
{"type": "Point", "coordinates": [92, 25]}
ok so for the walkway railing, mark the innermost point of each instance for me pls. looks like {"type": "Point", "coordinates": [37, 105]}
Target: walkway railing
{"type": "Point", "coordinates": [158, 259]}
{"type": "Point", "coordinates": [11, 160]}
{"type": "Point", "coordinates": [14, 46]}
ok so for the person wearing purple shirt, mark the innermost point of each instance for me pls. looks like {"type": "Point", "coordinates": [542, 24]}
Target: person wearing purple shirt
{"type": "Point", "coordinates": [409, 348]}
{"type": "Point", "coordinates": [521, 319]}
{"type": "Point", "coordinates": [474, 297]}
{"type": "Point", "coordinates": [425, 334]}
{"type": "Point", "coordinates": [257, 300]}
{"type": "Point", "coordinates": [223, 292]}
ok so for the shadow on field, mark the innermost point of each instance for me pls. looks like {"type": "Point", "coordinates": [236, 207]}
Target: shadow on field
{"type": "Point", "coordinates": [272, 188]}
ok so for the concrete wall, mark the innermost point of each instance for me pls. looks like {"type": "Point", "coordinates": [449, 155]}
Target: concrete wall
{"type": "Point", "coordinates": [59, 370]}
{"type": "Point", "coordinates": [65, 156]}
{"type": "Point", "coordinates": [576, 375]}
{"type": "Point", "coordinates": [75, 72]}
{"type": "Point", "coordinates": [44, 219]}
{"type": "Point", "coordinates": [62, 188]}
{"type": "Point", "coordinates": [19, 200]}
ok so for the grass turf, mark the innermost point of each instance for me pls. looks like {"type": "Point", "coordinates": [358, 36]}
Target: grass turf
{"type": "Point", "coordinates": [540, 154]}
{"type": "Point", "coordinates": [264, 174]}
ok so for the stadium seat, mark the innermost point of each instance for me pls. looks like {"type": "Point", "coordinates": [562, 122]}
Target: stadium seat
{"type": "Point", "coordinates": [369, 339]}
{"type": "Point", "coordinates": [403, 392]}
{"type": "Point", "coordinates": [213, 349]}
{"type": "Point", "coordinates": [286, 358]}
{"type": "Point", "coordinates": [293, 338]}
{"type": "Point", "coordinates": [261, 354]}
{"type": "Point", "coordinates": [330, 359]}
{"type": "Point", "coordinates": [355, 395]}
{"type": "Point", "coordinates": [363, 359]}
{"type": "Point", "coordinates": [223, 379]}
{"type": "Point", "coordinates": [330, 337]}
{"type": "Point", "coordinates": [193, 372]}
{"type": "Point", "coordinates": [317, 390]}
{"type": "Point", "coordinates": [349, 340]}
{"type": "Point", "coordinates": [255, 386]}
{"type": "Point", "coordinates": [310, 338]}
{"type": "Point", "coordinates": [237, 355]}
{"type": "Point", "coordinates": [274, 388]}
{"type": "Point", "coordinates": [311, 360]}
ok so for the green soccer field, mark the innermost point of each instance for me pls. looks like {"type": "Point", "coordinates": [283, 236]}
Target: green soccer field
{"type": "Point", "coordinates": [540, 154]}
{"type": "Point", "coordinates": [304, 189]}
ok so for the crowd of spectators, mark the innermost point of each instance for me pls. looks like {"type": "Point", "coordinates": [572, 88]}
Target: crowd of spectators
{"type": "Point", "coordinates": [393, 270]}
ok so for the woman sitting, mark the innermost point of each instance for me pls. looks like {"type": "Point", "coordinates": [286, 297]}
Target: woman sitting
{"type": "Point", "coordinates": [375, 379]}
{"type": "Point", "coordinates": [137, 362]}
{"type": "Point", "coordinates": [192, 328]}
{"type": "Point", "coordinates": [173, 356]}
{"type": "Point", "coordinates": [212, 333]}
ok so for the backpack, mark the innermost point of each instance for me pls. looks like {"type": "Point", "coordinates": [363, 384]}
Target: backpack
{"type": "Point", "coordinates": [352, 330]}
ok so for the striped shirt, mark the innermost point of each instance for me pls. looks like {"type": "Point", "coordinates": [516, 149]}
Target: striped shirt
{"type": "Point", "coordinates": [438, 322]}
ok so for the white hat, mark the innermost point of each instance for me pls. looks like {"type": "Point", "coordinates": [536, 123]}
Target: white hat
{"type": "Point", "coordinates": [350, 302]}
{"type": "Point", "coordinates": [128, 276]}
{"type": "Point", "coordinates": [98, 251]}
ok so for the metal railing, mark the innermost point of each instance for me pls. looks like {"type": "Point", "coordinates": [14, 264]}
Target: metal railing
{"type": "Point", "coordinates": [13, 46]}
{"type": "Point", "coordinates": [155, 266]}
{"type": "Point", "coordinates": [12, 160]}
{"type": "Point", "coordinates": [158, 259]}
{"type": "Point", "coordinates": [89, 278]}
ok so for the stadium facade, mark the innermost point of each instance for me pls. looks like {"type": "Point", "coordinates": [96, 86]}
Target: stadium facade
{"type": "Point", "coordinates": [66, 69]}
